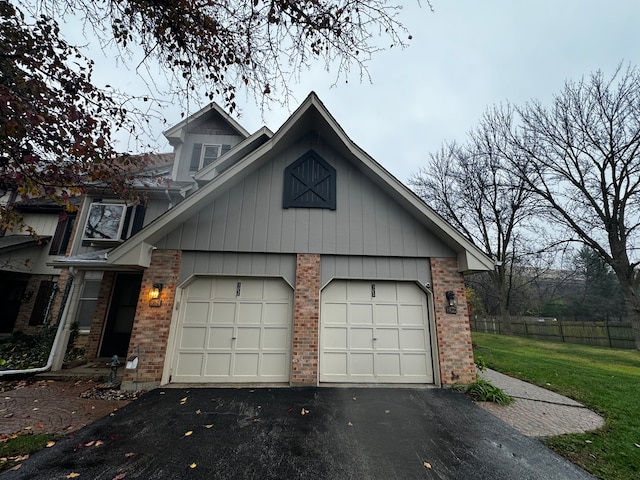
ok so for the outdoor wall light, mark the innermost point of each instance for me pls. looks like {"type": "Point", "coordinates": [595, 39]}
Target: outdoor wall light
{"type": "Point", "coordinates": [451, 302]}
{"type": "Point", "coordinates": [154, 295]}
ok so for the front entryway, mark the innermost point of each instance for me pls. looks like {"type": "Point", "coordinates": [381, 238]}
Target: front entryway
{"type": "Point", "coordinates": [234, 330]}
{"type": "Point", "coordinates": [375, 332]}
{"type": "Point", "coordinates": [122, 312]}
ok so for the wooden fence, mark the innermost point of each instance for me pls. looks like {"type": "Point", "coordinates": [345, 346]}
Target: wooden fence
{"type": "Point", "coordinates": [614, 335]}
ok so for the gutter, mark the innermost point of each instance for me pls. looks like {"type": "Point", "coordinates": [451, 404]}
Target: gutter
{"type": "Point", "coordinates": [56, 339]}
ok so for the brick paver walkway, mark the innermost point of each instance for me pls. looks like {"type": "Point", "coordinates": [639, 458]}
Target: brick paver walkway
{"type": "Point", "coordinates": [538, 412]}
{"type": "Point", "coordinates": [51, 406]}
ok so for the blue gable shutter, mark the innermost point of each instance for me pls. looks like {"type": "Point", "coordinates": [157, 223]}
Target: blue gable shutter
{"type": "Point", "coordinates": [195, 157]}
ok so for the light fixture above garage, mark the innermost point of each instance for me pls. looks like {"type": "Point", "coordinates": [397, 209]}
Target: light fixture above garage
{"type": "Point", "coordinates": [154, 295]}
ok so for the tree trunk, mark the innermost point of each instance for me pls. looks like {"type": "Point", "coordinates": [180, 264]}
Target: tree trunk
{"type": "Point", "coordinates": [632, 304]}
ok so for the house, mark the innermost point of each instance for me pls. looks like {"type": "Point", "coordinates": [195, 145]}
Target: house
{"type": "Point", "coordinates": [28, 284]}
{"type": "Point", "coordinates": [293, 258]}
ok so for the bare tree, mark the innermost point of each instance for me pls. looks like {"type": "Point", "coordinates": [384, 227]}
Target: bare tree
{"type": "Point", "coordinates": [471, 188]}
{"type": "Point", "coordinates": [580, 157]}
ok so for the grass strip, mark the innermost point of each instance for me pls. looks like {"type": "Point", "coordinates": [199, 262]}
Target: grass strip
{"type": "Point", "coordinates": [605, 380]}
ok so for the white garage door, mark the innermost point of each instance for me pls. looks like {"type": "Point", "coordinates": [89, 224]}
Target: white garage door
{"type": "Point", "coordinates": [375, 331]}
{"type": "Point", "coordinates": [234, 330]}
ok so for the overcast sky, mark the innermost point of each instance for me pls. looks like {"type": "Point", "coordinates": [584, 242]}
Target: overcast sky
{"type": "Point", "coordinates": [464, 57]}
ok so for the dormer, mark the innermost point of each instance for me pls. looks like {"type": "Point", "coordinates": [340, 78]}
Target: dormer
{"type": "Point", "coordinates": [201, 139]}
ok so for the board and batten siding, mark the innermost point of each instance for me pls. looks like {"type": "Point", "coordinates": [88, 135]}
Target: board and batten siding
{"type": "Point", "coordinates": [240, 264]}
{"type": "Point", "coordinates": [368, 268]}
{"type": "Point", "coordinates": [249, 217]}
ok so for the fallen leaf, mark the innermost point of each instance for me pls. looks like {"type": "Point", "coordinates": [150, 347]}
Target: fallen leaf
{"type": "Point", "coordinates": [304, 412]}
{"type": "Point", "coordinates": [427, 465]}
{"type": "Point", "coordinates": [637, 445]}
{"type": "Point", "coordinates": [187, 434]}
{"type": "Point", "coordinates": [256, 420]}
{"type": "Point", "coordinates": [350, 424]}
{"type": "Point", "coordinates": [35, 408]}
{"type": "Point", "coordinates": [50, 444]}
{"type": "Point", "coordinates": [99, 443]}
{"type": "Point", "coordinates": [208, 426]}
{"type": "Point", "coordinates": [8, 415]}
{"type": "Point", "coordinates": [39, 425]}
{"type": "Point", "coordinates": [198, 412]}
{"type": "Point", "coordinates": [90, 444]}
{"type": "Point", "coordinates": [588, 441]}
{"type": "Point", "coordinates": [29, 427]}
{"type": "Point", "coordinates": [183, 400]}
{"type": "Point", "coordinates": [73, 475]}
{"type": "Point", "coordinates": [129, 454]}
{"type": "Point", "coordinates": [16, 467]}
{"type": "Point", "coordinates": [387, 411]}
{"type": "Point", "coordinates": [162, 393]}
{"type": "Point", "coordinates": [120, 476]}
{"type": "Point", "coordinates": [193, 465]}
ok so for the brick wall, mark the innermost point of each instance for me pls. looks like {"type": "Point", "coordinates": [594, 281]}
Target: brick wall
{"type": "Point", "coordinates": [306, 303]}
{"type": "Point", "coordinates": [453, 330]}
{"type": "Point", "coordinates": [150, 332]}
{"type": "Point", "coordinates": [92, 343]}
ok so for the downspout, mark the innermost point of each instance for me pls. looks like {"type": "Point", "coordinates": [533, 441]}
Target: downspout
{"type": "Point", "coordinates": [56, 339]}
{"type": "Point", "coordinates": [166, 192]}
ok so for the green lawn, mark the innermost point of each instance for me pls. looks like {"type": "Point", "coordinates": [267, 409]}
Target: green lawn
{"type": "Point", "coordinates": [606, 380]}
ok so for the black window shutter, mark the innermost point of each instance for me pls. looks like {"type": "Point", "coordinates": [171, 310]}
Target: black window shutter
{"type": "Point", "coordinates": [195, 157]}
{"type": "Point", "coordinates": [138, 219]}
{"type": "Point", "coordinates": [41, 302]}
{"type": "Point", "coordinates": [225, 149]}
{"type": "Point", "coordinates": [62, 236]}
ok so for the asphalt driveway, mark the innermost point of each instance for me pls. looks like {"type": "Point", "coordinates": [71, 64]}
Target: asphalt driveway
{"type": "Point", "coordinates": [305, 433]}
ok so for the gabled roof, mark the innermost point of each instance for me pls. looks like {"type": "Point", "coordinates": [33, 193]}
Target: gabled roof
{"type": "Point", "coordinates": [312, 115]}
{"type": "Point", "coordinates": [176, 134]}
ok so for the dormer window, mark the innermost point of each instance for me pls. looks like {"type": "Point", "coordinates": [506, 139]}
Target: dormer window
{"type": "Point", "coordinates": [310, 182]}
{"type": "Point", "coordinates": [112, 222]}
{"type": "Point", "coordinates": [205, 154]}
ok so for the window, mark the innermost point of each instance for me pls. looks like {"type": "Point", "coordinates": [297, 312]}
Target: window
{"type": "Point", "coordinates": [309, 182]}
{"type": "Point", "coordinates": [63, 235]}
{"type": "Point", "coordinates": [88, 301]}
{"type": "Point", "coordinates": [204, 155]}
{"type": "Point", "coordinates": [111, 222]}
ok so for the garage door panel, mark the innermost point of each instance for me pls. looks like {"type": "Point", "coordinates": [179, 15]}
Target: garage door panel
{"type": "Point", "coordinates": [246, 364]}
{"type": "Point", "coordinates": [222, 312]}
{"type": "Point", "coordinates": [220, 337]}
{"type": "Point", "coordinates": [218, 365]}
{"type": "Point", "coordinates": [378, 334]}
{"type": "Point", "coordinates": [230, 338]}
{"type": "Point", "coordinates": [416, 364]}
{"type": "Point", "coordinates": [222, 287]}
{"type": "Point", "coordinates": [388, 364]}
{"type": "Point", "coordinates": [411, 315]}
{"type": "Point", "coordinates": [334, 338]}
{"type": "Point", "coordinates": [361, 364]}
{"type": "Point", "coordinates": [277, 314]}
{"type": "Point", "coordinates": [190, 364]}
{"type": "Point", "coordinates": [334, 313]}
{"type": "Point", "coordinates": [361, 314]}
{"type": "Point", "coordinates": [193, 337]}
{"type": "Point", "coordinates": [274, 363]}
{"type": "Point", "coordinates": [361, 338]}
{"type": "Point", "coordinates": [413, 340]}
{"type": "Point", "coordinates": [276, 339]}
{"type": "Point", "coordinates": [197, 313]}
{"type": "Point", "coordinates": [201, 289]}
{"type": "Point", "coordinates": [386, 315]}
{"type": "Point", "coordinates": [385, 291]}
{"type": "Point", "coordinates": [358, 291]}
{"type": "Point", "coordinates": [387, 338]}
{"type": "Point", "coordinates": [248, 338]}
{"type": "Point", "coordinates": [335, 364]}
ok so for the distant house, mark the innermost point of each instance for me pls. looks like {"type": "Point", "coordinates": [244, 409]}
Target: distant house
{"type": "Point", "coordinates": [289, 257]}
